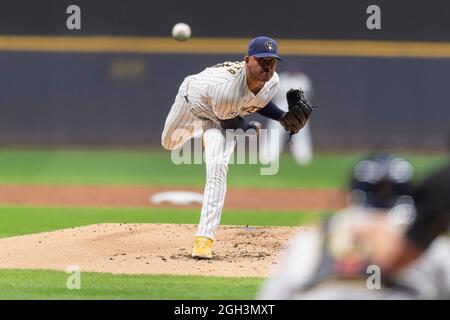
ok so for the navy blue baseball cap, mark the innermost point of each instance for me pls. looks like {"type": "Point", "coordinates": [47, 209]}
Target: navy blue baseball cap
{"type": "Point", "coordinates": [263, 47]}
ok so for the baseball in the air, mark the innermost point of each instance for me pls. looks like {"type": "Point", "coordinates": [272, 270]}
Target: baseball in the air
{"type": "Point", "coordinates": [181, 31]}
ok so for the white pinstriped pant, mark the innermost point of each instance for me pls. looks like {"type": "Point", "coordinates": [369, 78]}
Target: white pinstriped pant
{"type": "Point", "coordinates": [180, 126]}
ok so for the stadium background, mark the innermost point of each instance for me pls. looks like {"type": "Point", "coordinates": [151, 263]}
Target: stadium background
{"type": "Point", "coordinates": [87, 107]}
{"type": "Point", "coordinates": [392, 94]}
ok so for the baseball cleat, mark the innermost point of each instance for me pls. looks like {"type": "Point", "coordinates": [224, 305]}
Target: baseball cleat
{"type": "Point", "coordinates": [202, 248]}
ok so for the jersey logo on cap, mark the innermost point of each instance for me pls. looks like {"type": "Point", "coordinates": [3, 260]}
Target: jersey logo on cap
{"type": "Point", "coordinates": [269, 45]}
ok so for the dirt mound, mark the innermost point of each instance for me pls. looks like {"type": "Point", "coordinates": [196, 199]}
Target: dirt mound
{"type": "Point", "coordinates": [147, 249]}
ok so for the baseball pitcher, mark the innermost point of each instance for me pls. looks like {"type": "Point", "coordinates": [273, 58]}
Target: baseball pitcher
{"type": "Point", "coordinates": [218, 99]}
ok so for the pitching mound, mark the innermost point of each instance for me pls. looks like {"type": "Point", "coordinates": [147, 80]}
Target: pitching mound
{"type": "Point", "coordinates": [147, 249]}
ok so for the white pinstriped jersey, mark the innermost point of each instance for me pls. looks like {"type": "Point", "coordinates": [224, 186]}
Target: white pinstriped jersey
{"type": "Point", "coordinates": [217, 93]}
{"type": "Point", "coordinates": [221, 92]}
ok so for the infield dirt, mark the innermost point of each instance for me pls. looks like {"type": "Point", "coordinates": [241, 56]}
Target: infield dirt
{"type": "Point", "coordinates": [139, 197]}
{"type": "Point", "coordinates": [148, 249]}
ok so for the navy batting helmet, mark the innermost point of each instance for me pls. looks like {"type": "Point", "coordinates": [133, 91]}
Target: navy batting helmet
{"type": "Point", "coordinates": [381, 181]}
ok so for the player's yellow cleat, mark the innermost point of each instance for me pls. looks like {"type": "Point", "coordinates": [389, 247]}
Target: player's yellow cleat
{"type": "Point", "coordinates": [202, 248]}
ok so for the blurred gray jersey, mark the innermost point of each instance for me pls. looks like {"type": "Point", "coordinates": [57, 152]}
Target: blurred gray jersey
{"type": "Point", "coordinates": [430, 274]}
{"type": "Point", "coordinates": [428, 277]}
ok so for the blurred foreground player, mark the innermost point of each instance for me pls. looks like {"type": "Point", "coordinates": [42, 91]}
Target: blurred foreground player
{"type": "Point", "coordinates": [432, 199]}
{"type": "Point", "coordinates": [337, 261]}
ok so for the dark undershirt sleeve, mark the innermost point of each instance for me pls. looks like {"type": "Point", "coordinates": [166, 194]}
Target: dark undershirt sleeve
{"type": "Point", "coordinates": [236, 123]}
{"type": "Point", "coordinates": [271, 111]}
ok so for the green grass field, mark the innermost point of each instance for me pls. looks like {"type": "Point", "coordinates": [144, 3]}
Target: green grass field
{"type": "Point", "coordinates": [34, 284]}
{"type": "Point", "coordinates": [120, 167]}
{"type": "Point", "coordinates": [20, 220]}
{"type": "Point", "coordinates": [108, 167]}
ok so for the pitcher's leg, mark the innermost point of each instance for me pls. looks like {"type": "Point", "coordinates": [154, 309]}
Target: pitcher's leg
{"type": "Point", "coordinates": [178, 127]}
{"type": "Point", "coordinates": [181, 123]}
{"type": "Point", "coordinates": [218, 149]}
